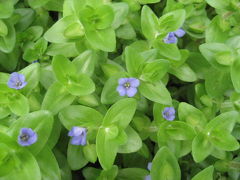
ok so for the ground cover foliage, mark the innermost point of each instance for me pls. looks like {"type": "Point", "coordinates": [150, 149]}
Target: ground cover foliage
{"type": "Point", "coordinates": [119, 89]}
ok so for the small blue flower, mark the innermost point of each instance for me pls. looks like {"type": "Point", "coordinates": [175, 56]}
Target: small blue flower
{"type": "Point", "coordinates": [36, 61]}
{"type": "Point", "coordinates": [16, 81]}
{"type": "Point", "coordinates": [148, 177]}
{"type": "Point", "coordinates": [168, 113]}
{"type": "Point", "coordinates": [27, 137]}
{"type": "Point", "coordinates": [149, 167]}
{"type": "Point", "coordinates": [180, 32]}
{"type": "Point", "coordinates": [79, 135]}
{"type": "Point", "coordinates": [127, 86]}
{"type": "Point", "coordinates": [171, 37]}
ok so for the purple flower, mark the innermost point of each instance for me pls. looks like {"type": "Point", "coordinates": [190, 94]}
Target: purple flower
{"type": "Point", "coordinates": [180, 32]}
{"type": "Point", "coordinates": [171, 37]}
{"type": "Point", "coordinates": [149, 167]}
{"type": "Point", "coordinates": [27, 137]}
{"type": "Point", "coordinates": [127, 86]}
{"type": "Point", "coordinates": [148, 177]}
{"type": "Point", "coordinates": [36, 61]}
{"type": "Point", "coordinates": [16, 81]}
{"type": "Point", "coordinates": [168, 113]}
{"type": "Point", "coordinates": [79, 135]}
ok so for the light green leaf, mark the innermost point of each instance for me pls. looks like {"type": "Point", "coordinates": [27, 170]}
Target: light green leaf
{"type": "Point", "coordinates": [104, 39]}
{"type": "Point", "coordinates": [156, 92]}
{"type": "Point", "coordinates": [206, 173]}
{"type": "Point", "coordinates": [134, 142]}
{"type": "Point", "coordinates": [165, 166]}
{"type": "Point", "coordinates": [77, 115]}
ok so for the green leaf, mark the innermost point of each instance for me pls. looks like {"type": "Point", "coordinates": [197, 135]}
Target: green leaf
{"type": "Point", "coordinates": [32, 76]}
{"type": "Point", "coordinates": [9, 60]}
{"type": "Point", "coordinates": [75, 157]}
{"type": "Point", "coordinates": [219, 4]}
{"type": "Point", "coordinates": [106, 155]}
{"type": "Point", "coordinates": [3, 29]}
{"type": "Point", "coordinates": [55, 34]}
{"type": "Point", "coordinates": [77, 115]}
{"type": "Point", "coordinates": [90, 153]}
{"type": "Point", "coordinates": [132, 174]}
{"type": "Point", "coordinates": [37, 3]}
{"type": "Point", "coordinates": [149, 23]}
{"type": "Point", "coordinates": [103, 39]}
{"type": "Point", "coordinates": [217, 83]}
{"type": "Point", "coordinates": [105, 15]}
{"type": "Point", "coordinates": [148, 1]}
{"type": "Point", "coordinates": [206, 173]}
{"type": "Point", "coordinates": [121, 113]}
{"type": "Point", "coordinates": [27, 16]}
{"type": "Point", "coordinates": [214, 33]}
{"type": "Point", "coordinates": [51, 171]}
{"type": "Point", "coordinates": [235, 75]}
{"type": "Point", "coordinates": [19, 104]}
{"type": "Point", "coordinates": [222, 139]}
{"type": "Point", "coordinates": [63, 68]}
{"type": "Point", "coordinates": [178, 130]}
{"type": "Point", "coordinates": [85, 62]}
{"type": "Point", "coordinates": [81, 85]}
{"type": "Point", "coordinates": [210, 51]}
{"type": "Point", "coordinates": [184, 73]}
{"type": "Point", "coordinates": [6, 8]}
{"type": "Point", "coordinates": [26, 169]}
{"type": "Point", "coordinates": [126, 31]}
{"type": "Point", "coordinates": [172, 21]}
{"type": "Point", "coordinates": [56, 98]}
{"type": "Point", "coordinates": [7, 42]}
{"type": "Point", "coordinates": [91, 173]}
{"type": "Point", "coordinates": [120, 13]}
{"type": "Point", "coordinates": [169, 51]}
{"type": "Point", "coordinates": [155, 70]}
{"type": "Point", "coordinates": [68, 49]}
{"type": "Point", "coordinates": [35, 52]}
{"type": "Point", "coordinates": [134, 61]}
{"type": "Point", "coordinates": [224, 121]}
{"type": "Point", "coordinates": [201, 147]}
{"type": "Point", "coordinates": [109, 93]}
{"type": "Point", "coordinates": [41, 122]}
{"type": "Point", "coordinates": [156, 92]}
{"type": "Point", "coordinates": [192, 116]}
{"type": "Point", "coordinates": [165, 166]}
{"type": "Point", "coordinates": [108, 174]}
{"type": "Point", "coordinates": [7, 159]}
{"type": "Point", "coordinates": [63, 164]}
{"type": "Point", "coordinates": [134, 142]}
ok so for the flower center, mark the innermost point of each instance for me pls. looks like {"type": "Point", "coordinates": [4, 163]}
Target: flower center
{"type": "Point", "coordinates": [18, 83]}
{"type": "Point", "coordinates": [127, 85]}
{"type": "Point", "coordinates": [24, 137]}
{"type": "Point", "coordinates": [167, 114]}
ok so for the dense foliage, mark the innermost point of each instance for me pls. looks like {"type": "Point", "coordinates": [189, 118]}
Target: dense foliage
{"type": "Point", "coordinates": [121, 89]}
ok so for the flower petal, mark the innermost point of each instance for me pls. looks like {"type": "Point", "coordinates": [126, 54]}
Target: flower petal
{"type": "Point", "coordinates": [168, 113]}
{"type": "Point", "coordinates": [76, 131]}
{"type": "Point", "coordinates": [121, 90]}
{"type": "Point", "coordinates": [179, 33]}
{"type": "Point", "coordinates": [78, 140]}
{"type": "Point", "coordinates": [21, 77]}
{"type": "Point", "coordinates": [170, 38]}
{"type": "Point", "coordinates": [122, 81]}
{"type": "Point", "coordinates": [134, 82]}
{"type": "Point", "coordinates": [131, 91]}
